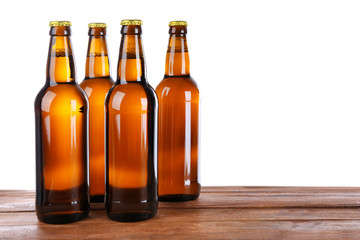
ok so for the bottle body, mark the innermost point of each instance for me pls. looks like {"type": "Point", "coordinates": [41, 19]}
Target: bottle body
{"type": "Point", "coordinates": [96, 85]}
{"type": "Point", "coordinates": [96, 90]}
{"type": "Point", "coordinates": [131, 135]}
{"type": "Point", "coordinates": [61, 117]}
{"type": "Point", "coordinates": [178, 139]}
{"type": "Point", "coordinates": [131, 152]}
{"type": "Point", "coordinates": [178, 95]}
{"type": "Point", "coordinates": [61, 154]}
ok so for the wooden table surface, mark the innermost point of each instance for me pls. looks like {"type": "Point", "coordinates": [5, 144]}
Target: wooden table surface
{"type": "Point", "coordinates": [220, 213]}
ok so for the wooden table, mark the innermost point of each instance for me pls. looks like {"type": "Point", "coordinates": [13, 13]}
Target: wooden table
{"type": "Point", "coordinates": [220, 213]}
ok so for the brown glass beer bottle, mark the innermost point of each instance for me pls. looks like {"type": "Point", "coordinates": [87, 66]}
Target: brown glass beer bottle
{"type": "Point", "coordinates": [96, 84]}
{"type": "Point", "coordinates": [178, 122]}
{"type": "Point", "coordinates": [131, 134]}
{"type": "Point", "coordinates": [61, 136]}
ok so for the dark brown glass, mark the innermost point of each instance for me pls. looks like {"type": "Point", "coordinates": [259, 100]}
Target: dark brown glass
{"type": "Point", "coordinates": [96, 84]}
{"type": "Point", "coordinates": [178, 150]}
{"type": "Point", "coordinates": [131, 136]}
{"type": "Point", "coordinates": [61, 137]}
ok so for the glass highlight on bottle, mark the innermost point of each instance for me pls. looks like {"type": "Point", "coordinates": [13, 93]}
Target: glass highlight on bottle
{"type": "Point", "coordinates": [178, 97]}
{"type": "Point", "coordinates": [96, 84]}
{"type": "Point", "coordinates": [131, 134]}
{"type": "Point", "coordinates": [61, 116]}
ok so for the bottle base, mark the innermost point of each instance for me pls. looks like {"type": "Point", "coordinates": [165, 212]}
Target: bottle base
{"type": "Point", "coordinates": [178, 197]}
{"type": "Point", "coordinates": [132, 212]}
{"type": "Point", "coordinates": [62, 218]}
{"type": "Point", "coordinates": [97, 199]}
{"type": "Point", "coordinates": [131, 216]}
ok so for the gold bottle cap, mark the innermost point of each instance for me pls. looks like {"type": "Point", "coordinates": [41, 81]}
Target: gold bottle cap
{"type": "Point", "coordinates": [60, 23]}
{"type": "Point", "coordinates": [101, 25]}
{"type": "Point", "coordinates": [177, 23]}
{"type": "Point", "coordinates": [131, 22]}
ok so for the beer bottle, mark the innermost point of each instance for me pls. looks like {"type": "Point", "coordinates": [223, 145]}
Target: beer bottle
{"type": "Point", "coordinates": [131, 134]}
{"type": "Point", "coordinates": [61, 136]}
{"type": "Point", "coordinates": [178, 122]}
{"type": "Point", "coordinates": [96, 84]}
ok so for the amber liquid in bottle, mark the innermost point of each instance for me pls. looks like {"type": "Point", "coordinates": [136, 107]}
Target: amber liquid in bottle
{"type": "Point", "coordinates": [178, 123]}
{"type": "Point", "coordinates": [96, 84]}
{"type": "Point", "coordinates": [131, 135]}
{"type": "Point", "coordinates": [61, 137]}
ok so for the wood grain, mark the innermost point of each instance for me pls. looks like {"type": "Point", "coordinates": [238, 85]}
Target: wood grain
{"type": "Point", "coordinates": [219, 213]}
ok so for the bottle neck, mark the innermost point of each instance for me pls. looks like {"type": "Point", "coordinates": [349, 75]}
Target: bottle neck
{"type": "Point", "coordinates": [60, 65]}
{"type": "Point", "coordinates": [177, 56]}
{"type": "Point", "coordinates": [97, 60]}
{"type": "Point", "coordinates": [131, 66]}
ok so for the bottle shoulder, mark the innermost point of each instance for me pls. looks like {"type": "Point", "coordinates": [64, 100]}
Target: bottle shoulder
{"type": "Point", "coordinates": [60, 94]}
{"type": "Point", "coordinates": [180, 83]}
{"type": "Point", "coordinates": [133, 89]}
{"type": "Point", "coordinates": [94, 82]}
{"type": "Point", "coordinates": [131, 96]}
{"type": "Point", "coordinates": [177, 87]}
{"type": "Point", "coordinates": [96, 86]}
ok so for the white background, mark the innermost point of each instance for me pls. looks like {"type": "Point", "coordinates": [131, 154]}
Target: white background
{"type": "Point", "coordinates": [279, 83]}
